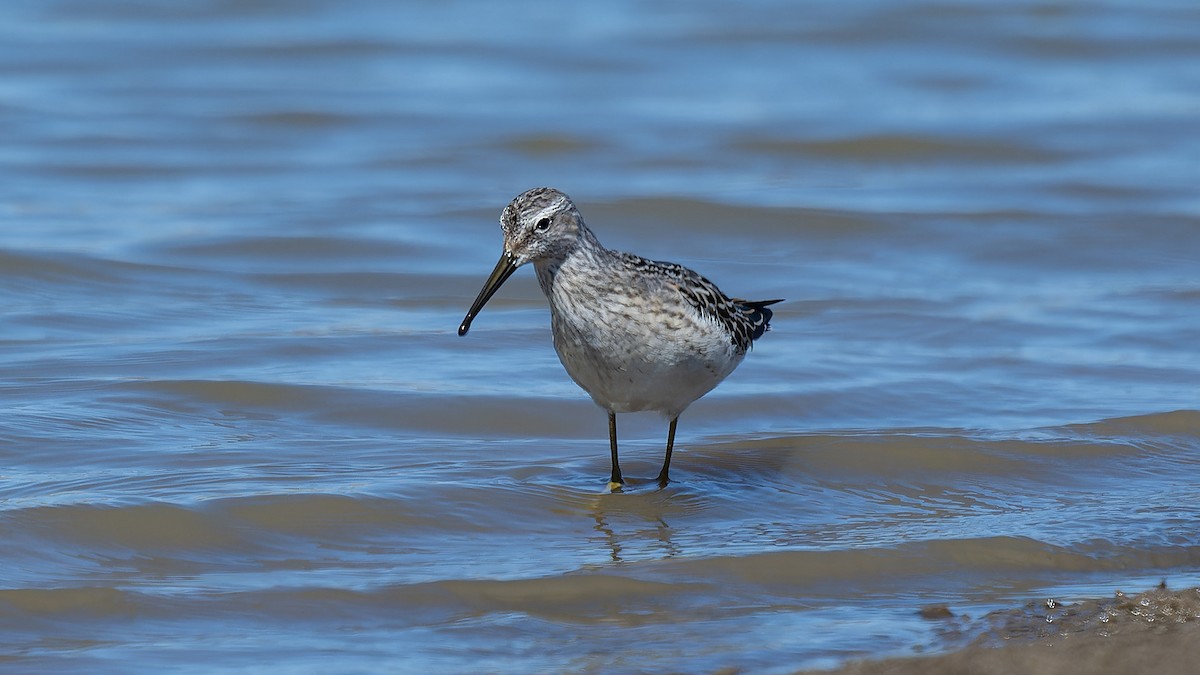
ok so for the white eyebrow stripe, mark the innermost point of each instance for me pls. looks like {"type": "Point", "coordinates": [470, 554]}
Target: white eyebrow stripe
{"type": "Point", "coordinates": [551, 208]}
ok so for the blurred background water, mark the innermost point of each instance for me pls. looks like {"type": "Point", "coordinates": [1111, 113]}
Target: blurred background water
{"type": "Point", "coordinates": [238, 430]}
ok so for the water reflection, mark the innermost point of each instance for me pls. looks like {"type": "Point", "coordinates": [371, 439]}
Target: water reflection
{"type": "Point", "coordinates": [632, 524]}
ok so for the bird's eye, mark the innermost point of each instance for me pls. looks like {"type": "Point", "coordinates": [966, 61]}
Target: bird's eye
{"type": "Point", "coordinates": [542, 224]}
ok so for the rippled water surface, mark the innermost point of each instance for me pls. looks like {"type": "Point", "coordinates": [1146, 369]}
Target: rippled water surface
{"type": "Point", "coordinates": [239, 431]}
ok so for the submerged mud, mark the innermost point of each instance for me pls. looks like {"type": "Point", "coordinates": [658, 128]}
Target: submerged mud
{"type": "Point", "coordinates": [1154, 631]}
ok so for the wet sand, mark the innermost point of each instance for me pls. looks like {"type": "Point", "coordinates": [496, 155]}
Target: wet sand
{"type": "Point", "coordinates": [1157, 631]}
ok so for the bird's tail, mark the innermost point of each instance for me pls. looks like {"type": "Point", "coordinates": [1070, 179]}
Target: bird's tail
{"type": "Point", "coordinates": [758, 314]}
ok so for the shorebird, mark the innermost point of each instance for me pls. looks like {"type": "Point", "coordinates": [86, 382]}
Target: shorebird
{"type": "Point", "coordinates": [635, 334]}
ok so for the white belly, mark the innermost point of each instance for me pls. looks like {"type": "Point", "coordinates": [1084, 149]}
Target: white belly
{"type": "Point", "coordinates": [641, 360]}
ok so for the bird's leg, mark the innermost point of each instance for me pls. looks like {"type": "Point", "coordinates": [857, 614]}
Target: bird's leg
{"type": "Point", "coordinates": [616, 482]}
{"type": "Point", "coordinates": [663, 477]}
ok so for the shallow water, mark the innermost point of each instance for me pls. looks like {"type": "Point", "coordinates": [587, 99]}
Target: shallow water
{"type": "Point", "coordinates": [239, 430]}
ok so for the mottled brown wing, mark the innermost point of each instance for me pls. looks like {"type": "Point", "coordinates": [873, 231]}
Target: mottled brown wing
{"type": "Point", "coordinates": [744, 320]}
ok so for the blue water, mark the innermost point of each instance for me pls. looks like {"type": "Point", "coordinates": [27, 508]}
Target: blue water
{"type": "Point", "coordinates": [236, 239]}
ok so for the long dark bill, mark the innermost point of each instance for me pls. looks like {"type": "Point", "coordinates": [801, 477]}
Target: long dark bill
{"type": "Point", "coordinates": [503, 271]}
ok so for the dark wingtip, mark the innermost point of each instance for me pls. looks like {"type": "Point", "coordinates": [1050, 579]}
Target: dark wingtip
{"type": "Point", "coordinates": [760, 316]}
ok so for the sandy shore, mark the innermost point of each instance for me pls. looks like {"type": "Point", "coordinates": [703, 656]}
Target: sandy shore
{"type": "Point", "coordinates": [1153, 632]}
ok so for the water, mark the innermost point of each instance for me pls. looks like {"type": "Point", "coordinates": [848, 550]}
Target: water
{"type": "Point", "coordinates": [239, 431]}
